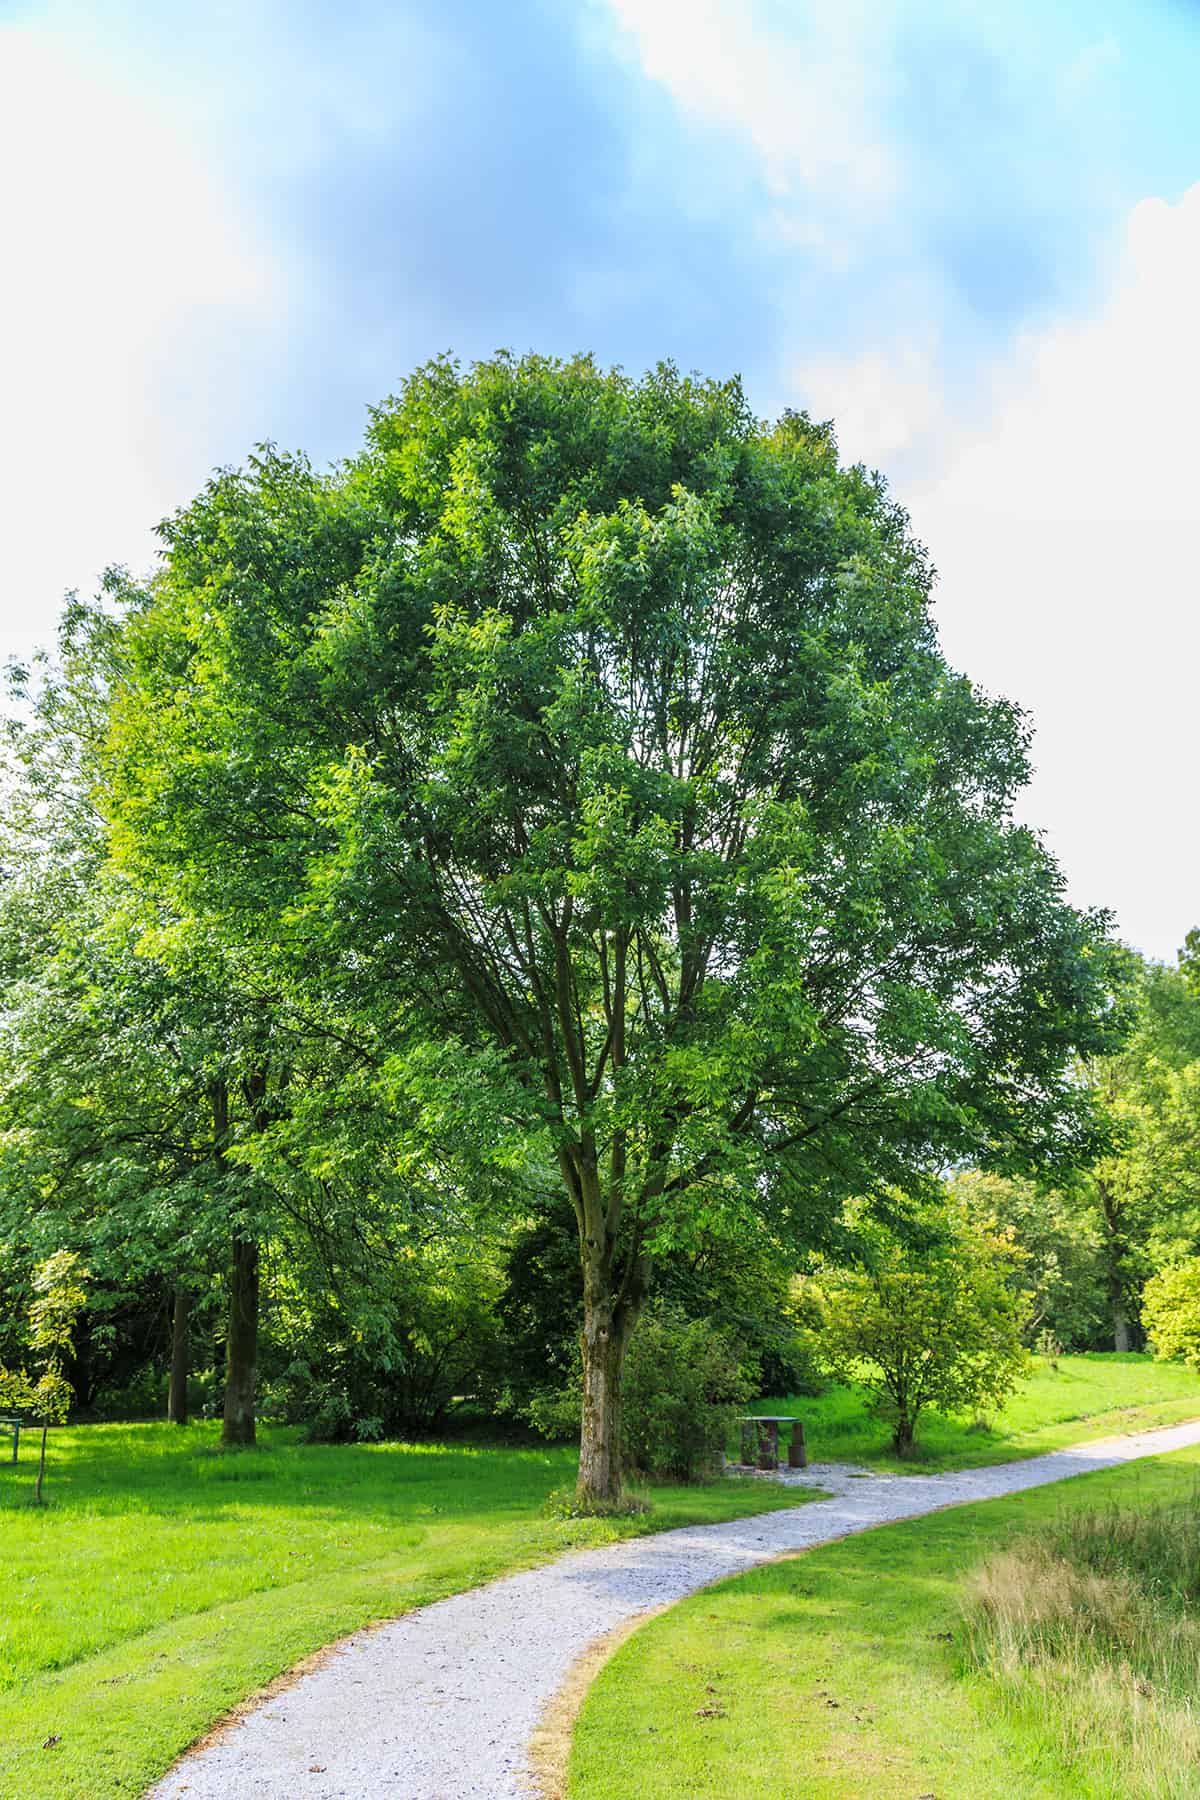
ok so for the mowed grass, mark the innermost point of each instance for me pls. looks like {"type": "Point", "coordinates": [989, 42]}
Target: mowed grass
{"type": "Point", "coordinates": [845, 1673]}
{"type": "Point", "coordinates": [167, 1580]}
{"type": "Point", "coordinates": [1085, 1397]}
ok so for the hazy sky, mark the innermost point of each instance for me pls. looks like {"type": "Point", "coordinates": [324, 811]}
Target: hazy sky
{"type": "Point", "coordinates": [967, 233]}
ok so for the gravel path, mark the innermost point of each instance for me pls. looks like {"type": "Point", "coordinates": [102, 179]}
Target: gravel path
{"type": "Point", "coordinates": [441, 1704]}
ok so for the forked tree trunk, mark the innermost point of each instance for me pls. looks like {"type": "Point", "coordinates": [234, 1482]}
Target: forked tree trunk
{"type": "Point", "coordinates": [177, 1394]}
{"type": "Point", "coordinates": [241, 1345]}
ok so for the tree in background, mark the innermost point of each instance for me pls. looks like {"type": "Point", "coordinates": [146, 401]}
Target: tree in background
{"type": "Point", "coordinates": [1145, 1192]}
{"type": "Point", "coordinates": [59, 1293]}
{"type": "Point", "coordinates": [1171, 1311]}
{"type": "Point", "coordinates": [1059, 1250]}
{"type": "Point", "coordinates": [926, 1321]}
{"type": "Point", "coordinates": [1091, 1240]}
{"type": "Point", "coordinates": [140, 1067]}
{"type": "Point", "coordinates": [587, 743]}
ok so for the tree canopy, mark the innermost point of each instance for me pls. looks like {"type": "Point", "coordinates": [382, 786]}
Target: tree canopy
{"type": "Point", "coordinates": [582, 754]}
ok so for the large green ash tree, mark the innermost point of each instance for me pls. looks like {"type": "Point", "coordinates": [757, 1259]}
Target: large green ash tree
{"type": "Point", "coordinates": [593, 738]}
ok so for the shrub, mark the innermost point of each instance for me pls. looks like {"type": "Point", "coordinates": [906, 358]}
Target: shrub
{"type": "Point", "coordinates": [555, 1412]}
{"type": "Point", "coordinates": [744, 1289]}
{"type": "Point", "coordinates": [685, 1383]}
{"type": "Point", "coordinates": [396, 1360]}
{"type": "Point", "coordinates": [1171, 1312]}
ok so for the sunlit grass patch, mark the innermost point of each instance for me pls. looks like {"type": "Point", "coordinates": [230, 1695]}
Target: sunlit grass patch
{"type": "Point", "coordinates": [848, 1673]}
{"type": "Point", "coordinates": [167, 1579]}
{"type": "Point", "coordinates": [1090, 1627]}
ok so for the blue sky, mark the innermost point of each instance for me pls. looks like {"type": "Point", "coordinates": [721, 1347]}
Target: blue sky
{"type": "Point", "coordinates": [970, 234]}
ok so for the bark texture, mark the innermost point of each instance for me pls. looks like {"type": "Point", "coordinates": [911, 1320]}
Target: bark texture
{"type": "Point", "coordinates": [612, 1299]}
{"type": "Point", "coordinates": [600, 1464]}
{"type": "Point", "coordinates": [241, 1346]}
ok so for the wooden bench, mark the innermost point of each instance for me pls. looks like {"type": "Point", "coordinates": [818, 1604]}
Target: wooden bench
{"type": "Point", "coordinates": [11, 1422]}
{"type": "Point", "coordinates": [760, 1440]}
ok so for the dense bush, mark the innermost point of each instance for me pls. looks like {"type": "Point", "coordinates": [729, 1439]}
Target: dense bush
{"type": "Point", "coordinates": [395, 1358]}
{"type": "Point", "coordinates": [1171, 1312]}
{"type": "Point", "coordinates": [686, 1380]}
{"type": "Point", "coordinates": [540, 1311]}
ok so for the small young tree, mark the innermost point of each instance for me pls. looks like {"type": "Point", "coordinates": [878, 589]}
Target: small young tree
{"type": "Point", "coordinates": [1171, 1312]}
{"type": "Point", "coordinates": [59, 1294]}
{"type": "Point", "coordinates": [924, 1323]}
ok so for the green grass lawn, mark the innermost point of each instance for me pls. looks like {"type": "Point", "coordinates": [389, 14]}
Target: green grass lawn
{"type": "Point", "coordinates": [840, 1674]}
{"type": "Point", "coordinates": [1086, 1397]}
{"type": "Point", "coordinates": [165, 1580]}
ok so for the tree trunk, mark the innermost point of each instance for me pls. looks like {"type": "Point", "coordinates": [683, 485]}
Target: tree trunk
{"type": "Point", "coordinates": [902, 1437]}
{"type": "Point", "coordinates": [604, 1340]}
{"type": "Point", "coordinates": [241, 1340]}
{"type": "Point", "coordinates": [241, 1345]}
{"type": "Point", "coordinates": [177, 1393]}
{"type": "Point", "coordinates": [1115, 1256]}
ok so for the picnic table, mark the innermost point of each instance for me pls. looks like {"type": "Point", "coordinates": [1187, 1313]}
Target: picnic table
{"type": "Point", "coordinates": [760, 1440]}
{"type": "Point", "coordinates": [11, 1422]}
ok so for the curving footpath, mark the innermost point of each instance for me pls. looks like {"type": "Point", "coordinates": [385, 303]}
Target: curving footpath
{"type": "Point", "coordinates": [441, 1703]}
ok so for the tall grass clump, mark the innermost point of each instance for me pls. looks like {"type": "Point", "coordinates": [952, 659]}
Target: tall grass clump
{"type": "Point", "coordinates": [1088, 1630]}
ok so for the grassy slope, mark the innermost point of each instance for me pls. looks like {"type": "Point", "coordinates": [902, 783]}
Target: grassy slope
{"type": "Point", "coordinates": [835, 1675]}
{"type": "Point", "coordinates": [165, 1581]}
{"type": "Point", "coordinates": [1086, 1397]}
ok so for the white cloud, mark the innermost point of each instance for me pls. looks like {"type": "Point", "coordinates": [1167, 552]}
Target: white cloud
{"type": "Point", "coordinates": [885, 404]}
{"type": "Point", "coordinates": [1066, 532]}
{"type": "Point", "coordinates": [808, 102]}
{"type": "Point", "coordinates": [1059, 491]}
{"type": "Point", "coordinates": [131, 294]}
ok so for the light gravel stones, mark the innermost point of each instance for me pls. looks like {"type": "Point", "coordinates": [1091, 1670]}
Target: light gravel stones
{"type": "Point", "coordinates": [441, 1704]}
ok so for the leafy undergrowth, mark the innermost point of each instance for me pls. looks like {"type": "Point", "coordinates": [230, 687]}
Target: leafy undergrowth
{"type": "Point", "coordinates": [1088, 1630]}
{"type": "Point", "coordinates": [1084, 1397]}
{"type": "Point", "coordinates": [849, 1671]}
{"type": "Point", "coordinates": [167, 1580]}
